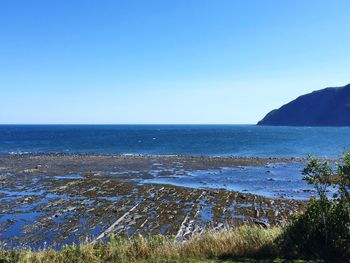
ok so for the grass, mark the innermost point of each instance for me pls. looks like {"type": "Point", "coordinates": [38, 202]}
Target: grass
{"type": "Point", "coordinates": [244, 244]}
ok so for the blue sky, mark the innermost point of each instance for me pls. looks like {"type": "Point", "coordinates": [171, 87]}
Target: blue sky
{"type": "Point", "coordinates": [177, 61]}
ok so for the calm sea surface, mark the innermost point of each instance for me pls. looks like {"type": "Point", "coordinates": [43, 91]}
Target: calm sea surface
{"type": "Point", "coordinates": [233, 140]}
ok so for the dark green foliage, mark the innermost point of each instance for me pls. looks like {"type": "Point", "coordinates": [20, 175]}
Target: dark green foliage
{"type": "Point", "coordinates": [323, 231]}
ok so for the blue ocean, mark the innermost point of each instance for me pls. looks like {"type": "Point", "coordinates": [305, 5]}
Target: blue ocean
{"type": "Point", "coordinates": [208, 140]}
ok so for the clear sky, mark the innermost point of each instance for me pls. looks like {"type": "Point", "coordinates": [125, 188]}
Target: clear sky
{"type": "Point", "coordinates": [180, 61]}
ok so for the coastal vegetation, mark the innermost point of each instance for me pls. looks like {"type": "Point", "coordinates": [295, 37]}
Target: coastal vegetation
{"type": "Point", "coordinates": [323, 230]}
{"type": "Point", "coordinates": [230, 244]}
{"type": "Point", "coordinates": [320, 233]}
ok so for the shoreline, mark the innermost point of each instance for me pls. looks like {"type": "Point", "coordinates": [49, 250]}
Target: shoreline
{"type": "Point", "coordinates": [141, 155]}
{"type": "Point", "coordinates": [60, 199]}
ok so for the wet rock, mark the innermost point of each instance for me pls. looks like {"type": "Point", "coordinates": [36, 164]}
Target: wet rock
{"type": "Point", "coordinates": [27, 199]}
{"type": "Point", "coordinates": [261, 223]}
{"type": "Point", "coordinates": [73, 210]}
{"type": "Point", "coordinates": [242, 196]}
{"type": "Point", "coordinates": [276, 213]}
{"type": "Point", "coordinates": [30, 170]}
{"type": "Point", "coordinates": [11, 220]}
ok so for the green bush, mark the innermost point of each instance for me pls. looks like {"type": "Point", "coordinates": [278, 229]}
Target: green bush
{"type": "Point", "coordinates": [323, 231]}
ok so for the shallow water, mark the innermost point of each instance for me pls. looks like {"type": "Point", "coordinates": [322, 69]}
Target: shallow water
{"type": "Point", "coordinates": [279, 180]}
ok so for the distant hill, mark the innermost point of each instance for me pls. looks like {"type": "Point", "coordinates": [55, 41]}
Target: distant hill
{"type": "Point", "coordinates": [326, 107]}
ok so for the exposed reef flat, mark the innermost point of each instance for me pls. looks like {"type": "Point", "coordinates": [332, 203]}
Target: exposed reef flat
{"type": "Point", "coordinates": [57, 199]}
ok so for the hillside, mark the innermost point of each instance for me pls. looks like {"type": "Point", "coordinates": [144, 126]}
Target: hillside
{"type": "Point", "coordinates": [326, 107]}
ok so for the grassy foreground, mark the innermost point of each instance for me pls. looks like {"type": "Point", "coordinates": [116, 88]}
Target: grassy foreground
{"type": "Point", "coordinates": [240, 245]}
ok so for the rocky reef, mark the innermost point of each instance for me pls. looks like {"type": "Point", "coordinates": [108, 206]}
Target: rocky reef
{"type": "Point", "coordinates": [51, 200]}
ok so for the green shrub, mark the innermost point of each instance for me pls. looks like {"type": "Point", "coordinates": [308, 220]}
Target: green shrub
{"type": "Point", "coordinates": [323, 231]}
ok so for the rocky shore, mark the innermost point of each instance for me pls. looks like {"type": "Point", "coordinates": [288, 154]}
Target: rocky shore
{"type": "Point", "coordinates": [51, 200]}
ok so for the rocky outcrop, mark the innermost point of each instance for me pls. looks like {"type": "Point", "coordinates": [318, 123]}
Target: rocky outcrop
{"type": "Point", "coordinates": [326, 107]}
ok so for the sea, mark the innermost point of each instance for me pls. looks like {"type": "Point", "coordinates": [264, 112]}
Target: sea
{"type": "Point", "coordinates": [191, 140]}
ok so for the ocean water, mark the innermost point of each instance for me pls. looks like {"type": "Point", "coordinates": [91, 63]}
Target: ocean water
{"type": "Point", "coordinates": [211, 140]}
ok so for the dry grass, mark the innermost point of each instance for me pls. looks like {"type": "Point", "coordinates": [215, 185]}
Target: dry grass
{"type": "Point", "coordinates": [244, 242]}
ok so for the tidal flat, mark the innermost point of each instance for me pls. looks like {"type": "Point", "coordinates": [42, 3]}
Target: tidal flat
{"type": "Point", "coordinates": [50, 200]}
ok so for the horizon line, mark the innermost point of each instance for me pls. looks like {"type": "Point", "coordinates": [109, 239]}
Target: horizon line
{"type": "Point", "coordinates": [100, 124]}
